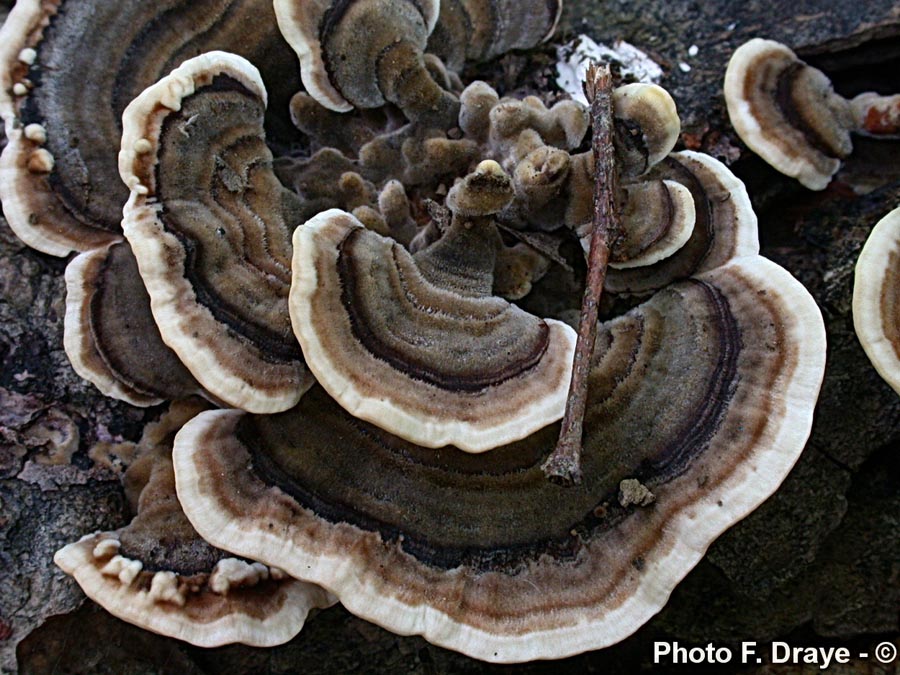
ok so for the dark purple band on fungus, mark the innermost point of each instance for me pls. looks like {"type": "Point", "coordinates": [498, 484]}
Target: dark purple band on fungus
{"type": "Point", "coordinates": [417, 344]}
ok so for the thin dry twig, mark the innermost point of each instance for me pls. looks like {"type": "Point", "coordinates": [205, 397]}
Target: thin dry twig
{"type": "Point", "coordinates": [563, 466]}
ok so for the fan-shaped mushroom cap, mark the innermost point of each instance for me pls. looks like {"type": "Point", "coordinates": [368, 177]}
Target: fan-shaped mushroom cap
{"type": "Point", "coordinates": [157, 573]}
{"type": "Point", "coordinates": [58, 181]}
{"type": "Point", "coordinates": [419, 347]}
{"type": "Point", "coordinates": [704, 394]}
{"type": "Point", "coordinates": [209, 225]}
{"type": "Point", "coordinates": [110, 337]}
{"type": "Point", "coordinates": [724, 227]}
{"type": "Point", "coordinates": [658, 219]}
{"type": "Point", "coordinates": [554, 189]}
{"type": "Point", "coordinates": [787, 112]}
{"type": "Point", "coordinates": [364, 53]}
{"type": "Point", "coordinates": [647, 126]}
{"type": "Point", "coordinates": [336, 55]}
{"type": "Point", "coordinates": [876, 298]}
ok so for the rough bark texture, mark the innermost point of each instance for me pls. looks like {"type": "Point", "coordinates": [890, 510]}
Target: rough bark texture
{"type": "Point", "coordinates": [819, 563]}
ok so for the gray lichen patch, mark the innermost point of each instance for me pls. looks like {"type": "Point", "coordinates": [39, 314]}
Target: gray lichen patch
{"type": "Point", "coordinates": [633, 492]}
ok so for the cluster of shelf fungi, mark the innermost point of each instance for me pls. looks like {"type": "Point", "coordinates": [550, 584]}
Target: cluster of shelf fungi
{"type": "Point", "coordinates": [361, 412]}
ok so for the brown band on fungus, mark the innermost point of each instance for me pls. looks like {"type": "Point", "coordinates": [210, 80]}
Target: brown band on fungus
{"type": "Point", "coordinates": [658, 219]}
{"type": "Point", "coordinates": [110, 336]}
{"type": "Point", "coordinates": [787, 112]}
{"type": "Point", "coordinates": [210, 230]}
{"type": "Point", "coordinates": [434, 363]}
{"type": "Point", "coordinates": [687, 396]}
{"type": "Point", "coordinates": [642, 233]}
{"type": "Point", "coordinates": [789, 96]}
{"type": "Point", "coordinates": [724, 227]}
{"type": "Point", "coordinates": [876, 298]}
{"type": "Point", "coordinates": [354, 42]}
{"type": "Point", "coordinates": [158, 573]}
{"type": "Point", "coordinates": [58, 182]}
{"type": "Point", "coordinates": [890, 302]}
{"type": "Point", "coordinates": [506, 478]}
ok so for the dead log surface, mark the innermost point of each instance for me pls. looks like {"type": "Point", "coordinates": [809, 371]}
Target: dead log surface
{"type": "Point", "coordinates": [816, 564]}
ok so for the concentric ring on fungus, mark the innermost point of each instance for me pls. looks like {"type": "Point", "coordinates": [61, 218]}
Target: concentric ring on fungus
{"type": "Point", "coordinates": [157, 573]}
{"type": "Point", "coordinates": [68, 68]}
{"type": "Point", "coordinates": [210, 231]}
{"type": "Point", "coordinates": [423, 360]}
{"type": "Point", "coordinates": [482, 554]}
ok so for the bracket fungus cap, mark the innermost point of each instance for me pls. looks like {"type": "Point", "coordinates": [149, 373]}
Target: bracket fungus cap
{"type": "Point", "coordinates": [29, 201]}
{"type": "Point", "coordinates": [435, 364]}
{"type": "Point", "coordinates": [59, 185]}
{"type": "Point", "coordinates": [519, 568]}
{"type": "Point", "coordinates": [109, 333]}
{"type": "Point", "coordinates": [309, 25]}
{"type": "Point", "coordinates": [787, 112]}
{"type": "Point", "coordinates": [209, 225]}
{"type": "Point", "coordinates": [233, 601]}
{"type": "Point", "coordinates": [725, 225]}
{"type": "Point", "coordinates": [876, 298]}
{"type": "Point", "coordinates": [658, 220]}
{"type": "Point", "coordinates": [157, 573]}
